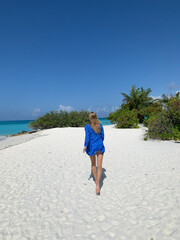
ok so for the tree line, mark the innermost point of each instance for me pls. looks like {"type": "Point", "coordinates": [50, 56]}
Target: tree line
{"type": "Point", "coordinates": [161, 116]}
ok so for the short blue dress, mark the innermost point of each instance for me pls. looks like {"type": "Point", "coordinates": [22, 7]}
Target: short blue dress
{"type": "Point", "coordinates": [94, 141]}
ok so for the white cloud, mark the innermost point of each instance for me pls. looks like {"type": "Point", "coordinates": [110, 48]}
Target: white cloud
{"type": "Point", "coordinates": [36, 112]}
{"type": "Point", "coordinates": [66, 108]}
{"type": "Point", "coordinates": [114, 108]}
{"type": "Point", "coordinates": [102, 111]}
{"type": "Point", "coordinates": [155, 97]}
{"type": "Point", "coordinates": [173, 85]}
{"type": "Point", "coordinates": [160, 97]}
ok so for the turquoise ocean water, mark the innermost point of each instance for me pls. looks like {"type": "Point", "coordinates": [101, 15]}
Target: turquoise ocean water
{"type": "Point", "coordinates": [104, 121]}
{"type": "Point", "coordinates": [12, 127]}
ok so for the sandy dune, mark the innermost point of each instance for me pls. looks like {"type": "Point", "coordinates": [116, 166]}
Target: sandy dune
{"type": "Point", "coordinates": [47, 191]}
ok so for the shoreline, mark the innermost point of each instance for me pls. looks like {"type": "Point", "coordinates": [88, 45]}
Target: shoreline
{"type": "Point", "coordinates": [7, 141]}
{"type": "Point", "coordinates": [27, 129]}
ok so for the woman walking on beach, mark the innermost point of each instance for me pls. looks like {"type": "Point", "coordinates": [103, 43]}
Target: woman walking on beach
{"type": "Point", "coordinates": [93, 145]}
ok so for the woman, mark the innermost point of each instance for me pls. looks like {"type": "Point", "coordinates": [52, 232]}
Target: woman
{"type": "Point", "coordinates": [93, 145]}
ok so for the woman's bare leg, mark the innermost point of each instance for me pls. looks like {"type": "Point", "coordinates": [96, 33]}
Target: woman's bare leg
{"type": "Point", "coordinates": [99, 170]}
{"type": "Point", "coordinates": [93, 166]}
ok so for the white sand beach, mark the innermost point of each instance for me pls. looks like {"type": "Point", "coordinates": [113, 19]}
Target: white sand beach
{"type": "Point", "coordinates": [47, 191]}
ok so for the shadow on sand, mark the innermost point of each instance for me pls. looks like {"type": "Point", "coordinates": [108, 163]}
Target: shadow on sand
{"type": "Point", "coordinates": [102, 177]}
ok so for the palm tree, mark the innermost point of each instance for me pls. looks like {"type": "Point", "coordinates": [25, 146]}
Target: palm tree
{"type": "Point", "coordinates": [145, 100]}
{"type": "Point", "coordinates": [138, 98]}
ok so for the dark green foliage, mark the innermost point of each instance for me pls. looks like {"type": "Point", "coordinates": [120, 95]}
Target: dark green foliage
{"type": "Point", "coordinates": [161, 116]}
{"type": "Point", "coordinates": [166, 99]}
{"type": "Point", "coordinates": [127, 119]}
{"type": "Point", "coordinates": [145, 112]}
{"type": "Point", "coordinates": [78, 119]}
{"type": "Point", "coordinates": [160, 127]}
{"type": "Point", "coordinates": [124, 118]}
{"type": "Point", "coordinates": [173, 111]}
{"type": "Point", "coordinates": [165, 125]}
{"type": "Point", "coordinates": [61, 119]}
{"type": "Point", "coordinates": [157, 125]}
{"type": "Point", "coordinates": [151, 109]}
{"type": "Point", "coordinates": [136, 100]}
{"type": "Point", "coordinates": [113, 116]}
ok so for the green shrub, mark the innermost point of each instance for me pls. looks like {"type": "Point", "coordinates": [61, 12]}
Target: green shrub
{"type": "Point", "coordinates": [113, 116]}
{"type": "Point", "coordinates": [61, 119]}
{"type": "Point", "coordinates": [124, 118]}
{"type": "Point", "coordinates": [160, 126]}
{"type": "Point", "coordinates": [173, 112]}
{"type": "Point", "coordinates": [145, 112]}
{"type": "Point", "coordinates": [145, 122]}
{"type": "Point", "coordinates": [165, 124]}
{"type": "Point", "coordinates": [161, 116]}
{"type": "Point", "coordinates": [127, 119]}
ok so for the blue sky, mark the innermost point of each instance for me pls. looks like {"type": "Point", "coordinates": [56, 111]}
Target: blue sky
{"type": "Point", "coordinates": [82, 54]}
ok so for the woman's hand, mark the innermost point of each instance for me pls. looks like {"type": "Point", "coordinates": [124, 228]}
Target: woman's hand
{"type": "Point", "coordinates": [84, 149]}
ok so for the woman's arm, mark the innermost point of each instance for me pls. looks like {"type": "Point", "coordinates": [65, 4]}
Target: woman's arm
{"type": "Point", "coordinates": [102, 132]}
{"type": "Point", "coordinates": [87, 139]}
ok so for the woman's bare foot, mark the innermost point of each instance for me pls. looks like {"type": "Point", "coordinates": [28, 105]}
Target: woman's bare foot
{"type": "Point", "coordinates": [97, 188]}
